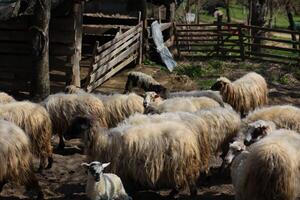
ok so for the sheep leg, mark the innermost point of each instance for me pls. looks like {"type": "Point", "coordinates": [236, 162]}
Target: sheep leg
{"type": "Point", "coordinates": [33, 185]}
{"type": "Point", "coordinates": [2, 183]}
{"type": "Point", "coordinates": [193, 190]}
{"type": "Point", "coordinates": [61, 144]}
{"type": "Point", "coordinates": [173, 193]}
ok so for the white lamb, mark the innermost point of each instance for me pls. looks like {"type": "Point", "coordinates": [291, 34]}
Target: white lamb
{"type": "Point", "coordinates": [103, 186]}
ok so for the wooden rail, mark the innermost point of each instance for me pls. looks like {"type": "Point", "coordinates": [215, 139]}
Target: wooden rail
{"type": "Point", "coordinates": [113, 56]}
{"type": "Point", "coordinates": [227, 40]}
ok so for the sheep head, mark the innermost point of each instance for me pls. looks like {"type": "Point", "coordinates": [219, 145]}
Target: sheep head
{"type": "Point", "coordinates": [78, 127]}
{"type": "Point", "coordinates": [95, 169]}
{"type": "Point", "coordinates": [151, 97]}
{"type": "Point", "coordinates": [220, 84]}
{"type": "Point", "coordinates": [235, 148]}
{"type": "Point", "coordinates": [258, 130]}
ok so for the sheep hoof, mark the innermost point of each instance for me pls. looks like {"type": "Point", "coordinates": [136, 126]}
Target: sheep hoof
{"type": "Point", "coordinates": [2, 183]}
{"type": "Point", "coordinates": [50, 162]}
{"type": "Point", "coordinates": [173, 193]}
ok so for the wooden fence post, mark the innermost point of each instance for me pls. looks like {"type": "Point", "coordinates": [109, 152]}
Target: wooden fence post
{"type": "Point", "coordinates": [40, 43]}
{"type": "Point", "coordinates": [219, 37]}
{"type": "Point", "coordinates": [176, 40]}
{"type": "Point", "coordinates": [141, 40]}
{"type": "Point", "coordinates": [77, 16]}
{"type": "Point", "coordinates": [241, 39]}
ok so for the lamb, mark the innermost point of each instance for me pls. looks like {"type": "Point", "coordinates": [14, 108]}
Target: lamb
{"type": "Point", "coordinates": [244, 94]}
{"type": "Point", "coordinates": [153, 156]}
{"type": "Point", "coordinates": [271, 168]}
{"type": "Point", "coordinates": [103, 186]}
{"type": "Point", "coordinates": [16, 158]}
{"type": "Point", "coordinates": [120, 106]}
{"type": "Point", "coordinates": [72, 89]}
{"type": "Point", "coordinates": [146, 82]}
{"type": "Point", "coordinates": [36, 123]}
{"type": "Point", "coordinates": [5, 98]}
{"type": "Point", "coordinates": [64, 107]}
{"type": "Point", "coordinates": [284, 116]}
{"type": "Point", "coordinates": [187, 104]}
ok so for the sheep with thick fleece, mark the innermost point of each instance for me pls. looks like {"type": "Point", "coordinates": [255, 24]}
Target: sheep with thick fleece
{"type": "Point", "coordinates": [5, 98]}
{"type": "Point", "coordinates": [146, 82]}
{"type": "Point", "coordinates": [152, 155]}
{"type": "Point", "coordinates": [16, 158]}
{"type": "Point", "coordinates": [64, 107]}
{"type": "Point", "coordinates": [271, 169]}
{"type": "Point", "coordinates": [187, 104]}
{"type": "Point", "coordinates": [120, 106]}
{"type": "Point", "coordinates": [103, 186]}
{"type": "Point", "coordinates": [244, 94]}
{"type": "Point", "coordinates": [36, 122]}
{"type": "Point", "coordinates": [218, 126]}
{"type": "Point", "coordinates": [284, 116]}
{"type": "Point", "coordinates": [215, 95]}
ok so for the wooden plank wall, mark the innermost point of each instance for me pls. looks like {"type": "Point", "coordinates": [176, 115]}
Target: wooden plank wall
{"type": "Point", "coordinates": [16, 50]}
{"type": "Point", "coordinates": [113, 56]}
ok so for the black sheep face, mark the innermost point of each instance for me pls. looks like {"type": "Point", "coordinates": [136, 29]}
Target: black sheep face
{"type": "Point", "coordinates": [218, 86]}
{"type": "Point", "coordinates": [78, 127]}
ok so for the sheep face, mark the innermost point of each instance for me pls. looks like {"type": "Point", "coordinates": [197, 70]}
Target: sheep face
{"type": "Point", "coordinates": [79, 126]}
{"type": "Point", "coordinates": [151, 97]}
{"type": "Point", "coordinates": [258, 130]}
{"type": "Point", "coordinates": [220, 84]}
{"type": "Point", "coordinates": [95, 169]}
{"type": "Point", "coordinates": [235, 148]}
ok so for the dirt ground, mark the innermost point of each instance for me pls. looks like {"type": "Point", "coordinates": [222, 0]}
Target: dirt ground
{"type": "Point", "coordinates": [66, 179]}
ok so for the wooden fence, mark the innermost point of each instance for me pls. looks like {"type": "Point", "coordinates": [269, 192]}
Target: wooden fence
{"type": "Point", "coordinates": [237, 41]}
{"type": "Point", "coordinates": [114, 55]}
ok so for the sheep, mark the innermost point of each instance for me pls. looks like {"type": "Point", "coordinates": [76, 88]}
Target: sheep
{"type": "Point", "coordinates": [188, 104]}
{"type": "Point", "coordinates": [64, 107]}
{"type": "Point", "coordinates": [284, 116]}
{"type": "Point", "coordinates": [219, 125]}
{"type": "Point", "coordinates": [16, 158]}
{"type": "Point", "coordinates": [120, 106]}
{"type": "Point", "coordinates": [35, 121]}
{"type": "Point", "coordinates": [215, 95]}
{"type": "Point", "coordinates": [5, 98]}
{"type": "Point", "coordinates": [72, 89]}
{"type": "Point", "coordinates": [258, 130]}
{"type": "Point", "coordinates": [244, 94]}
{"type": "Point", "coordinates": [153, 155]}
{"type": "Point", "coordinates": [146, 82]}
{"type": "Point", "coordinates": [271, 169]}
{"type": "Point", "coordinates": [103, 186]}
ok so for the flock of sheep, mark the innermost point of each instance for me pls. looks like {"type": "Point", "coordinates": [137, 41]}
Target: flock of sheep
{"type": "Point", "coordinates": [159, 139]}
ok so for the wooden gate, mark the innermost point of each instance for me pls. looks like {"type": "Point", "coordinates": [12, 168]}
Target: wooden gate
{"type": "Point", "coordinates": [114, 55]}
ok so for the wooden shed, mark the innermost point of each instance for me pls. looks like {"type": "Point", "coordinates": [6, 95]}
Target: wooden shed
{"type": "Point", "coordinates": [16, 49]}
{"type": "Point", "coordinates": [75, 29]}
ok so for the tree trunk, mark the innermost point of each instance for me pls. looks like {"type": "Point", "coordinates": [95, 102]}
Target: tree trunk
{"type": "Point", "coordinates": [227, 4]}
{"type": "Point", "coordinates": [258, 18]}
{"type": "Point", "coordinates": [40, 44]}
{"type": "Point", "coordinates": [77, 15]}
{"type": "Point", "coordinates": [291, 22]}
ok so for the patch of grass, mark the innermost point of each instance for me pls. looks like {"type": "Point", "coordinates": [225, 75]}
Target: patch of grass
{"type": "Point", "coordinates": [205, 84]}
{"type": "Point", "coordinates": [149, 62]}
{"type": "Point", "coordinates": [284, 79]}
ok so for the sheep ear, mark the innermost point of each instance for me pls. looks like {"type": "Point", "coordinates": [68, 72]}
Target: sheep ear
{"type": "Point", "coordinates": [86, 165]}
{"type": "Point", "coordinates": [104, 165]}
